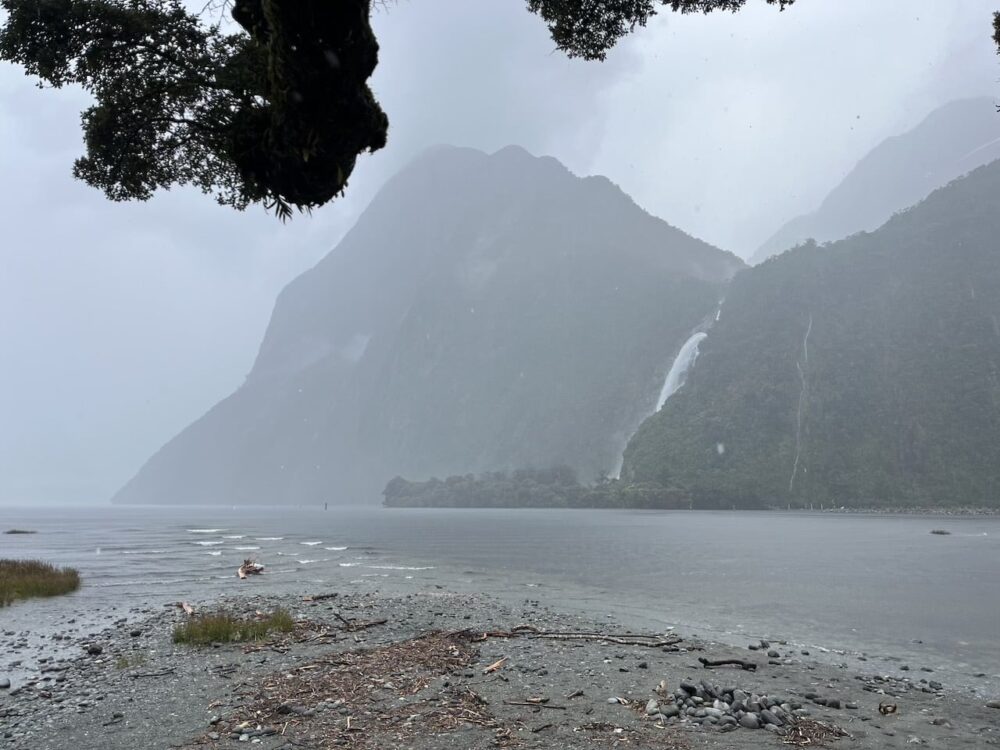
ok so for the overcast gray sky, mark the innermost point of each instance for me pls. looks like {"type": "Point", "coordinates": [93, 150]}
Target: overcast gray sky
{"type": "Point", "coordinates": [121, 323]}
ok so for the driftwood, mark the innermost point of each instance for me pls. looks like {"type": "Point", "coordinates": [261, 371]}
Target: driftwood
{"type": "Point", "coordinates": [249, 568]}
{"type": "Point", "coordinates": [171, 670]}
{"type": "Point", "coordinates": [495, 666]}
{"type": "Point", "coordinates": [623, 639]}
{"type": "Point", "coordinates": [319, 597]}
{"type": "Point", "coordinates": [188, 609]}
{"type": "Point", "coordinates": [709, 663]}
{"type": "Point", "coordinates": [353, 625]}
{"type": "Point", "coordinates": [535, 704]}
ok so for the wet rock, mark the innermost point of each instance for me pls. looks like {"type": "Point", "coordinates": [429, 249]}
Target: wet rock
{"type": "Point", "coordinates": [4, 683]}
{"type": "Point", "coordinates": [769, 717]}
{"type": "Point", "coordinates": [993, 704]}
{"type": "Point", "coordinates": [750, 721]}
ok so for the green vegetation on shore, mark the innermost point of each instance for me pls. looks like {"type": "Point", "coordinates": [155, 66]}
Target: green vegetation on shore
{"type": "Point", "coordinates": [541, 488]}
{"type": "Point", "coordinates": [221, 627]}
{"type": "Point", "coordinates": [24, 579]}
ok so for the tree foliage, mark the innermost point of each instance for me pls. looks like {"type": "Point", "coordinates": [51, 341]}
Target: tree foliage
{"type": "Point", "coordinates": [275, 114]}
{"type": "Point", "coordinates": [581, 28]}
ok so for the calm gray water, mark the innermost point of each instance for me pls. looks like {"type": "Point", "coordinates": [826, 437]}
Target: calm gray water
{"type": "Point", "coordinates": [875, 584]}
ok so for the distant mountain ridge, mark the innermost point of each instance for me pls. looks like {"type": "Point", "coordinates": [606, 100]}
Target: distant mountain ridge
{"type": "Point", "coordinates": [901, 171]}
{"type": "Point", "coordinates": [865, 372]}
{"type": "Point", "coordinates": [487, 312]}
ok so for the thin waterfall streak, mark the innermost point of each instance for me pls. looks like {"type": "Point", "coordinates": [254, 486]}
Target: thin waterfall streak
{"type": "Point", "coordinates": [802, 398]}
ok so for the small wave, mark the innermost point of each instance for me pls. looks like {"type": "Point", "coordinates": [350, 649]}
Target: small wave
{"type": "Point", "coordinates": [306, 562]}
{"type": "Point", "coordinates": [399, 567]}
{"type": "Point", "coordinates": [208, 544]}
{"type": "Point", "coordinates": [268, 538]}
{"type": "Point", "coordinates": [310, 544]}
{"type": "Point", "coordinates": [206, 531]}
{"type": "Point", "coordinates": [348, 565]}
{"type": "Point", "coordinates": [247, 547]}
{"type": "Point", "coordinates": [234, 536]}
{"type": "Point", "coordinates": [214, 554]}
{"type": "Point", "coordinates": [335, 549]}
{"type": "Point", "coordinates": [143, 551]}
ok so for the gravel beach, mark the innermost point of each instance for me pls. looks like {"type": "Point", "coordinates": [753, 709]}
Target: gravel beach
{"type": "Point", "coordinates": [454, 670]}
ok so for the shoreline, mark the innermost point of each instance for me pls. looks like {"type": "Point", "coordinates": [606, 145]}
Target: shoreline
{"type": "Point", "coordinates": [135, 688]}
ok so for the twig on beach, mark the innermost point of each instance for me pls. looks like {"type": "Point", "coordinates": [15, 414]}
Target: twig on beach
{"type": "Point", "coordinates": [319, 597]}
{"type": "Point", "coordinates": [171, 670]}
{"type": "Point", "coordinates": [709, 663]}
{"type": "Point", "coordinates": [534, 704]}
{"type": "Point", "coordinates": [354, 625]}
{"type": "Point", "coordinates": [497, 665]}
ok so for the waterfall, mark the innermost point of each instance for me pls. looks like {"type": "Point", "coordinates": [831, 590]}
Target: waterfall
{"type": "Point", "coordinates": [679, 369]}
{"type": "Point", "coordinates": [675, 379]}
{"type": "Point", "coordinates": [802, 398]}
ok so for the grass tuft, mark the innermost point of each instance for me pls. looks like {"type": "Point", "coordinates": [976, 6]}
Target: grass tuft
{"type": "Point", "coordinates": [220, 627]}
{"type": "Point", "coordinates": [23, 579]}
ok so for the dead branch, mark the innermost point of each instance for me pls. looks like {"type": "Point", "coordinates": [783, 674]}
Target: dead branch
{"type": "Point", "coordinates": [353, 625]}
{"type": "Point", "coordinates": [709, 663]}
{"type": "Point", "coordinates": [319, 597]}
{"type": "Point", "coordinates": [535, 705]}
{"type": "Point", "coordinates": [497, 665]}
{"type": "Point", "coordinates": [623, 639]}
{"type": "Point", "coordinates": [171, 670]}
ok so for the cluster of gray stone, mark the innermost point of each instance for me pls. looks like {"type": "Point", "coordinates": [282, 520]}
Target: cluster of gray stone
{"type": "Point", "coordinates": [726, 708]}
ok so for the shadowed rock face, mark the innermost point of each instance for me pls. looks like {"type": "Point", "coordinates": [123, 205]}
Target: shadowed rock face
{"type": "Point", "coordinates": [952, 141]}
{"type": "Point", "coordinates": [864, 372]}
{"type": "Point", "coordinates": [486, 312]}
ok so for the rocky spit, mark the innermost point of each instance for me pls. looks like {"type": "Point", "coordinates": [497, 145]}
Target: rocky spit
{"type": "Point", "coordinates": [439, 670]}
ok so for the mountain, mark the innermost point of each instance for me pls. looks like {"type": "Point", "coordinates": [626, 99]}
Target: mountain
{"type": "Point", "coordinates": [487, 312]}
{"type": "Point", "coordinates": [952, 141]}
{"type": "Point", "coordinates": [865, 372]}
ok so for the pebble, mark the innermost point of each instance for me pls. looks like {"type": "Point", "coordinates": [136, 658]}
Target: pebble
{"type": "Point", "coordinates": [993, 704]}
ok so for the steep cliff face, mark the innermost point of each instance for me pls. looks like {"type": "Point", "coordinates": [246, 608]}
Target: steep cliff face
{"type": "Point", "coordinates": [952, 141]}
{"type": "Point", "coordinates": [486, 312]}
{"type": "Point", "coordinates": [864, 372]}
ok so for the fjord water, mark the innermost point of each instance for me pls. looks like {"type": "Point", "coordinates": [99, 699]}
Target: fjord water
{"type": "Point", "coordinates": [875, 584]}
